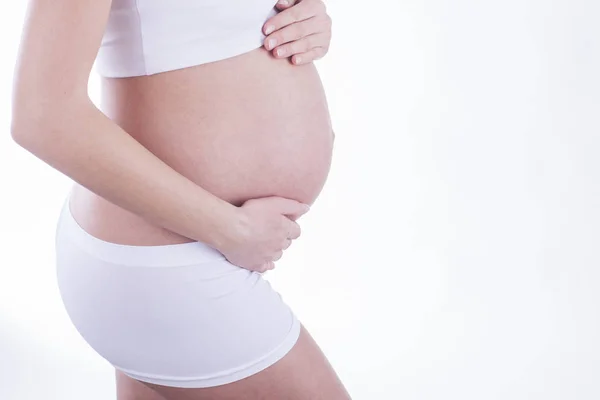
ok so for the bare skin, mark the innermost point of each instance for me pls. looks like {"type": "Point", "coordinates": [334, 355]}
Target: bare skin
{"type": "Point", "coordinates": [303, 374]}
{"type": "Point", "coordinates": [244, 128]}
{"type": "Point", "coordinates": [226, 127]}
{"type": "Point", "coordinates": [235, 145]}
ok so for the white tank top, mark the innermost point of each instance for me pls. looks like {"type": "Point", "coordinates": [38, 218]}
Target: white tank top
{"type": "Point", "coordinates": [145, 37]}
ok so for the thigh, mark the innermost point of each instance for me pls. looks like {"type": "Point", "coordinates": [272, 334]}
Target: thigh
{"type": "Point", "coordinates": [130, 389]}
{"type": "Point", "coordinates": [303, 374]}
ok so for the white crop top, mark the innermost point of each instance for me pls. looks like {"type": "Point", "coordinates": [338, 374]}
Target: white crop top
{"type": "Point", "coordinates": [145, 37]}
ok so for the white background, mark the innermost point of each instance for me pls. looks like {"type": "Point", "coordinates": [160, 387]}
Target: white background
{"type": "Point", "coordinates": [454, 252]}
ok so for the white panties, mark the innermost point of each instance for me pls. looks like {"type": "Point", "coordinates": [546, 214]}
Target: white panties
{"type": "Point", "coordinates": [175, 315]}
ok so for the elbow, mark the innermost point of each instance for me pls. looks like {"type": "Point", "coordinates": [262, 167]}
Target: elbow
{"type": "Point", "coordinates": [19, 131]}
{"type": "Point", "coordinates": [35, 134]}
{"type": "Point", "coordinates": [30, 136]}
{"type": "Point", "coordinates": [26, 121]}
{"type": "Point", "coordinates": [33, 125]}
{"type": "Point", "coordinates": [39, 113]}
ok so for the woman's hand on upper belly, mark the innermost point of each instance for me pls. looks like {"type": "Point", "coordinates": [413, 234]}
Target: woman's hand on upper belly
{"type": "Point", "coordinates": [260, 231]}
{"type": "Point", "coordinates": [301, 31]}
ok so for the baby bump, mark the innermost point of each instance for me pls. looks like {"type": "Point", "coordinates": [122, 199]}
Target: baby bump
{"type": "Point", "coordinates": [246, 127]}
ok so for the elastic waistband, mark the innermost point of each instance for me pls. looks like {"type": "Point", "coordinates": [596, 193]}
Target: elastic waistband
{"type": "Point", "coordinates": [143, 256]}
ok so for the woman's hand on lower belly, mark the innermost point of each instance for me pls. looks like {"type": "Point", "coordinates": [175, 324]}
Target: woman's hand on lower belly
{"type": "Point", "coordinates": [300, 32]}
{"type": "Point", "coordinates": [260, 231]}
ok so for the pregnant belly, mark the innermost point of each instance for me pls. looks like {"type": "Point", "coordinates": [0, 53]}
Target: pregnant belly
{"type": "Point", "coordinates": [247, 127]}
{"type": "Point", "coordinates": [244, 127]}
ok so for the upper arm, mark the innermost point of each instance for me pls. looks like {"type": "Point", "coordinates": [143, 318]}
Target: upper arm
{"type": "Point", "coordinates": [59, 43]}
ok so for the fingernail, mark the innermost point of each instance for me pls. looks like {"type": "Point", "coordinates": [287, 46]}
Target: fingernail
{"type": "Point", "coordinates": [283, 2]}
{"type": "Point", "coordinates": [269, 29]}
{"type": "Point", "coordinates": [281, 51]}
{"type": "Point", "coordinates": [271, 44]}
{"type": "Point", "coordinates": [298, 60]}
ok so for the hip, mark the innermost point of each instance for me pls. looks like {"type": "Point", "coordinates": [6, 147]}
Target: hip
{"type": "Point", "coordinates": [176, 315]}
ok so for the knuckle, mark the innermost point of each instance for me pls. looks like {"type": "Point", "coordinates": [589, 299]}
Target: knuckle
{"type": "Point", "coordinates": [305, 45]}
{"type": "Point", "coordinates": [289, 48]}
{"type": "Point", "coordinates": [283, 226]}
{"type": "Point", "coordinates": [276, 22]}
{"type": "Point", "coordinates": [302, 30]}
{"type": "Point", "coordinates": [278, 39]}
{"type": "Point", "coordinates": [295, 48]}
{"type": "Point", "coordinates": [309, 46]}
{"type": "Point", "coordinates": [286, 34]}
{"type": "Point", "coordinates": [294, 14]}
{"type": "Point", "coordinates": [322, 7]}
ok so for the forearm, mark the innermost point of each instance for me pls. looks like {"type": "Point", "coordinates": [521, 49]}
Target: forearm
{"type": "Point", "coordinates": [82, 143]}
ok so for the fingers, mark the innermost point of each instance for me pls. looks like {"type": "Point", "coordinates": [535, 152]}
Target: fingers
{"type": "Point", "coordinates": [315, 54]}
{"type": "Point", "coordinates": [290, 208]}
{"type": "Point", "coordinates": [283, 4]}
{"type": "Point", "coordinates": [303, 46]}
{"type": "Point", "coordinates": [268, 266]}
{"type": "Point", "coordinates": [300, 12]}
{"type": "Point", "coordinates": [300, 30]}
{"type": "Point", "coordinates": [277, 256]}
{"type": "Point", "coordinates": [318, 29]}
{"type": "Point", "coordinates": [301, 33]}
{"type": "Point", "coordinates": [294, 230]}
{"type": "Point", "coordinates": [286, 244]}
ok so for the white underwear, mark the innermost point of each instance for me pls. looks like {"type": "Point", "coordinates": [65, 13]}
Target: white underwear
{"type": "Point", "coordinates": [174, 315]}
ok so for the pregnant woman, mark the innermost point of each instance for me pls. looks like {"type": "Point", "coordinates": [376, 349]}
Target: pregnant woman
{"type": "Point", "coordinates": [212, 138]}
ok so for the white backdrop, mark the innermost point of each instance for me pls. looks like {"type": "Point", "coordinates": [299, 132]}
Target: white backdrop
{"type": "Point", "coordinates": [454, 252]}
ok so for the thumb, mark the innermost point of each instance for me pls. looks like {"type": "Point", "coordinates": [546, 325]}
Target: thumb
{"type": "Point", "coordinates": [290, 208]}
{"type": "Point", "coordinates": [284, 4]}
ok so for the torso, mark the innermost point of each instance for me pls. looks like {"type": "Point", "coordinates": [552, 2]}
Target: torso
{"type": "Point", "coordinates": [245, 127]}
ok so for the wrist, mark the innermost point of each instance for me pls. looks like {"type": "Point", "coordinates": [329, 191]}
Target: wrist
{"type": "Point", "coordinates": [226, 224]}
